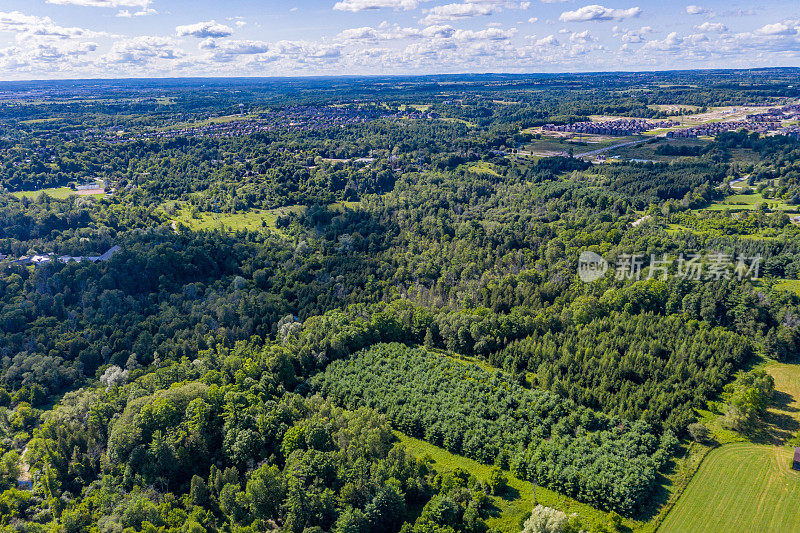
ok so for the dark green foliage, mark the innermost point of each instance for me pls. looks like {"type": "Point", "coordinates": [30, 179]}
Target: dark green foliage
{"type": "Point", "coordinates": [641, 366]}
{"type": "Point", "coordinates": [172, 388]}
{"type": "Point", "coordinates": [470, 411]}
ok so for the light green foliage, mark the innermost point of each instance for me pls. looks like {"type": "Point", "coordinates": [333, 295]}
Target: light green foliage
{"type": "Point", "coordinates": [748, 397]}
{"type": "Point", "coordinates": [545, 520]}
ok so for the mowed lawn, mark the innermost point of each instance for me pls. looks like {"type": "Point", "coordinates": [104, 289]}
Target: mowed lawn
{"type": "Point", "coordinates": [740, 487]}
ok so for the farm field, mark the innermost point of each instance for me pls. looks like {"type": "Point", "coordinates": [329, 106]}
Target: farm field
{"type": "Point", "coordinates": [739, 487]}
{"type": "Point", "coordinates": [744, 486]}
{"type": "Point", "coordinates": [674, 107]}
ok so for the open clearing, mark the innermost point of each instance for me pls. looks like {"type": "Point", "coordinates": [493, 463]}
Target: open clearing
{"type": "Point", "coordinates": [743, 486]}
{"type": "Point", "coordinates": [740, 487]}
{"type": "Point", "coordinates": [483, 168]}
{"type": "Point", "coordinates": [554, 146]}
{"type": "Point", "coordinates": [516, 504]}
{"type": "Point", "coordinates": [58, 192]}
{"type": "Point", "coordinates": [253, 220]}
{"type": "Point", "coordinates": [792, 285]}
{"type": "Point", "coordinates": [742, 202]}
{"type": "Point", "coordinates": [783, 416]}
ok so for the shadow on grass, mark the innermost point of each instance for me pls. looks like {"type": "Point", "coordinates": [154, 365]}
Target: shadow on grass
{"type": "Point", "coordinates": [509, 493]}
{"type": "Point", "coordinates": [657, 499]}
{"type": "Point", "coordinates": [493, 511]}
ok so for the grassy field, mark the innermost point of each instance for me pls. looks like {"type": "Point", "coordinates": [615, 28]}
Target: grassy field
{"type": "Point", "coordinates": [483, 167]}
{"type": "Point", "coordinates": [783, 416]}
{"type": "Point", "coordinates": [647, 151]}
{"type": "Point", "coordinates": [516, 505]}
{"type": "Point", "coordinates": [549, 145]}
{"type": "Point", "coordinates": [208, 122]}
{"type": "Point", "coordinates": [59, 192]}
{"type": "Point", "coordinates": [792, 285]}
{"type": "Point", "coordinates": [254, 220]}
{"type": "Point", "coordinates": [739, 487]}
{"type": "Point", "coordinates": [742, 485]}
{"type": "Point", "coordinates": [741, 202]}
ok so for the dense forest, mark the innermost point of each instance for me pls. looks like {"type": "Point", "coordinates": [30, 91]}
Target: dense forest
{"type": "Point", "coordinates": [288, 306]}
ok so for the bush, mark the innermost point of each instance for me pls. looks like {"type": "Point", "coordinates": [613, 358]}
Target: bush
{"type": "Point", "coordinates": [699, 432]}
{"type": "Point", "coordinates": [498, 482]}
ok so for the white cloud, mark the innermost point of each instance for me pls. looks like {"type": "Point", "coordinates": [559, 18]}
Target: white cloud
{"type": "Point", "coordinates": [716, 27]}
{"type": "Point", "coordinates": [741, 12]}
{"type": "Point", "coordinates": [468, 9]}
{"type": "Point", "coordinates": [236, 47]}
{"type": "Point", "coordinates": [490, 34]}
{"type": "Point", "coordinates": [439, 31]}
{"type": "Point", "coordinates": [386, 32]}
{"type": "Point", "coordinates": [596, 12]}
{"type": "Point", "coordinates": [772, 38]}
{"type": "Point", "coordinates": [355, 6]}
{"type": "Point", "coordinates": [262, 52]}
{"type": "Point", "coordinates": [696, 10]}
{"type": "Point", "coordinates": [103, 3]}
{"type": "Point", "coordinates": [204, 30]}
{"type": "Point", "coordinates": [550, 40]}
{"type": "Point", "coordinates": [144, 49]}
{"type": "Point", "coordinates": [364, 33]}
{"type": "Point", "coordinates": [787, 27]}
{"type": "Point", "coordinates": [582, 37]}
{"type": "Point", "coordinates": [671, 42]}
{"type": "Point", "coordinates": [37, 47]}
{"type": "Point", "coordinates": [449, 12]}
{"type": "Point", "coordinates": [141, 13]}
{"type": "Point", "coordinates": [27, 26]}
{"type": "Point", "coordinates": [633, 36]}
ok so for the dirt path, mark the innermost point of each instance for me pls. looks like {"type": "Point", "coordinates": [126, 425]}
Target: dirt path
{"type": "Point", "coordinates": [24, 479]}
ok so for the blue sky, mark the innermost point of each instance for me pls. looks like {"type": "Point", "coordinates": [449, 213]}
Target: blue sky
{"type": "Point", "coordinates": [112, 38]}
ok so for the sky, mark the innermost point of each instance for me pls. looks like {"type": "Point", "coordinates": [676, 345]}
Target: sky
{"type": "Point", "coordinates": [61, 39]}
